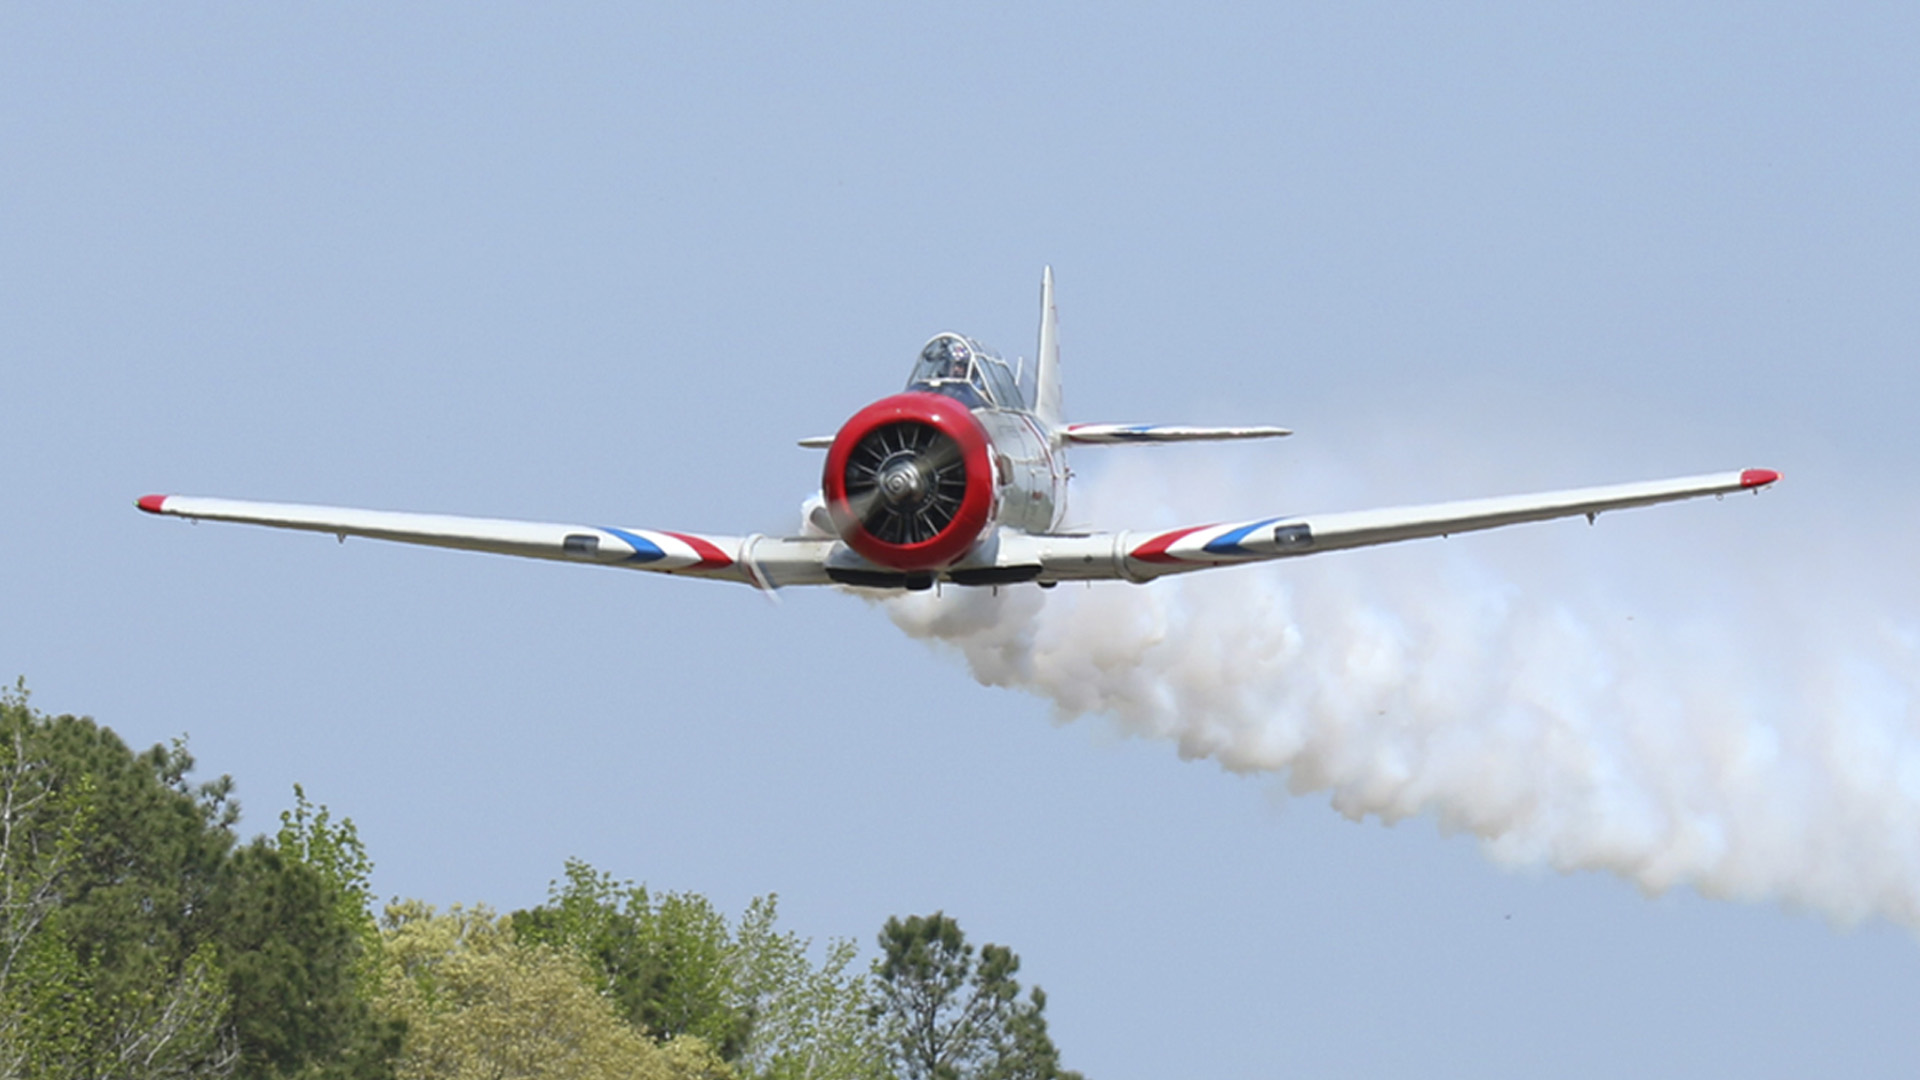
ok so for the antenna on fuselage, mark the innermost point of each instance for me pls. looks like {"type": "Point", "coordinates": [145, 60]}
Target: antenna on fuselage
{"type": "Point", "coordinates": [1046, 395]}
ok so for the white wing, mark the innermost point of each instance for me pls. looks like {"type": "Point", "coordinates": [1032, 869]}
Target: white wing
{"type": "Point", "coordinates": [1112, 434]}
{"type": "Point", "coordinates": [1136, 557]}
{"type": "Point", "coordinates": [758, 560]}
{"type": "Point", "coordinates": [1004, 557]}
{"type": "Point", "coordinates": [1107, 434]}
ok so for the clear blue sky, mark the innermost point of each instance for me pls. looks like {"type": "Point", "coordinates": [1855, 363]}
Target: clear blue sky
{"type": "Point", "coordinates": [605, 263]}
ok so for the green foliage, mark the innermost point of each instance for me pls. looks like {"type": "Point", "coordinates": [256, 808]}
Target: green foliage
{"type": "Point", "coordinates": [296, 964]}
{"type": "Point", "coordinates": [809, 1023]}
{"type": "Point", "coordinates": [344, 948]}
{"type": "Point", "coordinates": [138, 939]}
{"type": "Point", "coordinates": [951, 1016]}
{"type": "Point", "coordinates": [1026, 1051]}
{"type": "Point", "coordinates": [139, 942]}
{"type": "Point", "coordinates": [666, 963]}
{"type": "Point", "coordinates": [309, 835]}
{"type": "Point", "coordinates": [41, 1022]}
{"type": "Point", "coordinates": [672, 966]}
{"type": "Point", "coordinates": [111, 861]}
{"type": "Point", "coordinates": [480, 1004]}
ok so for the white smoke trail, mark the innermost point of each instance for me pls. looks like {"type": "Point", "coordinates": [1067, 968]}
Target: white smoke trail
{"type": "Point", "coordinates": [1725, 729]}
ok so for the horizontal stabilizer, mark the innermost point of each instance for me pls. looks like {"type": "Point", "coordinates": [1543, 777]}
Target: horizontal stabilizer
{"type": "Point", "coordinates": [1104, 434]}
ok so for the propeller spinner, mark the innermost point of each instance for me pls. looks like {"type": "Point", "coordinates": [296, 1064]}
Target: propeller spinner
{"type": "Point", "coordinates": [908, 481]}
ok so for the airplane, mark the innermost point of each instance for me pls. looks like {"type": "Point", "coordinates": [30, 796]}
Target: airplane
{"type": "Point", "coordinates": [961, 478]}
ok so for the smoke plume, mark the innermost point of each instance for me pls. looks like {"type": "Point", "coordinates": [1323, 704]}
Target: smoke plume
{"type": "Point", "coordinates": [1680, 716]}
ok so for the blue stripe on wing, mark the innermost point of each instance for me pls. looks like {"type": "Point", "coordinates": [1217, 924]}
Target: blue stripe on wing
{"type": "Point", "coordinates": [1228, 543]}
{"type": "Point", "coordinates": [644, 550]}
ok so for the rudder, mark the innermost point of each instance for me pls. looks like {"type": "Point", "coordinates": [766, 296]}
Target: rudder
{"type": "Point", "coordinates": [1046, 404]}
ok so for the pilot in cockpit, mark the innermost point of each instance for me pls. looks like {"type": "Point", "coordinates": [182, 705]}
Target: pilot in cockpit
{"type": "Point", "coordinates": [946, 367]}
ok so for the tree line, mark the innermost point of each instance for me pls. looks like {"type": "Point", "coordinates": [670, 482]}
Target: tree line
{"type": "Point", "coordinates": [142, 937]}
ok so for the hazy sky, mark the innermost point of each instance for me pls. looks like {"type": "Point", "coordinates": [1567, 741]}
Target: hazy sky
{"type": "Point", "coordinates": [605, 264]}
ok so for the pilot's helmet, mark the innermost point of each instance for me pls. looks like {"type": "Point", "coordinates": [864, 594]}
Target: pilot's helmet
{"type": "Point", "coordinates": [957, 356]}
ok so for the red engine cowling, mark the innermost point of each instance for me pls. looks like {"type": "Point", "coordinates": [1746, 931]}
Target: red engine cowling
{"type": "Point", "coordinates": [909, 481]}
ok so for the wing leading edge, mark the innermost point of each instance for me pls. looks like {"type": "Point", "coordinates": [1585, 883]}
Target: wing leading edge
{"type": "Point", "coordinates": [1109, 434]}
{"type": "Point", "coordinates": [1004, 556]}
{"type": "Point", "coordinates": [1137, 557]}
{"type": "Point", "coordinates": [764, 561]}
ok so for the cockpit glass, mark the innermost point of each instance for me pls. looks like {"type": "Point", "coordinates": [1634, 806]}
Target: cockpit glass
{"type": "Point", "coordinates": [953, 366]}
{"type": "Point", "coordinates": [1000, 381]}
{"type": "Point", "coordinates": [945, 357]}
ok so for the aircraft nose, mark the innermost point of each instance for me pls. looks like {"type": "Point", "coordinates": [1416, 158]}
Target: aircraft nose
{"type": "Point", "coordinates": [904, 482]}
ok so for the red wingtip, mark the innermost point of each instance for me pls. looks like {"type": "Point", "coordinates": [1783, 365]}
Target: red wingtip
{"type": "Point", "coordinates": [1758, 478]}
{"type": "Point", "coordinates": [151, 503]}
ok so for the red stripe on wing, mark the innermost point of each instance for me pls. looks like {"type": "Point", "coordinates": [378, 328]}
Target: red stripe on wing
{"type": "Point", "coordinates": [1155, 550]}
{"type": "Point", "coordinates": [711, 557]}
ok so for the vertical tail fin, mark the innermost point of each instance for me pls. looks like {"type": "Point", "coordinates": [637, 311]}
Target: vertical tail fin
{"type": "Point", "coordinates": [1046, 404]}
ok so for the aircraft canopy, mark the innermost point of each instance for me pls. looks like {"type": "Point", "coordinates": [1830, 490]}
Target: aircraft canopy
{"type": "Point", "coordinates": [967, 371]}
